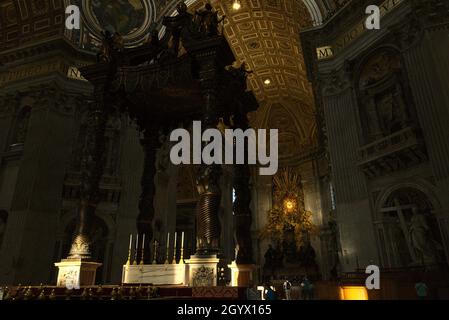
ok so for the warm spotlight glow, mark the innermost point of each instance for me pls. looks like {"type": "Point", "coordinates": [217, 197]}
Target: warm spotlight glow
{"type": "Point", "coordinates": [353, 293]}
{"type": "Point", "coordinates": [289, 205]}
{"type": "Point", "coordinates": [267, 82]}
{"type": "Point", "coordinates": [236, 5]}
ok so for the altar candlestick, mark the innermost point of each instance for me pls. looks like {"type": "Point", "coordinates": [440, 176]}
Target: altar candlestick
{"type": "Point", "coordinates": [135, 253]}
{"type": "Point", "coordinates": [174, 249]}
{"type": "Point", "coordinates": [129, 250]}
{"type": "Point", "coordinates": [155, 252]}
{"type": "Point", "coordinates": [181, 258]}
{"type": "Point", "coordinates": [143, 250]}
{"type": "Point", "coordinates": [168, 245]}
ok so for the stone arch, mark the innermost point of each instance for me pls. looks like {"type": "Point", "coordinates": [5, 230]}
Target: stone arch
{"type": "Point", "coordinates": [407, 219]}
{"type": "Point", "coordinates": [421, 185]}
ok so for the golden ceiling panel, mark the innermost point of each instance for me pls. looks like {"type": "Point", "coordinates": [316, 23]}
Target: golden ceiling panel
{"type": "Point", "coordinates": [29, 21]}
{"type": "Point", "coordinates": [265, 35]}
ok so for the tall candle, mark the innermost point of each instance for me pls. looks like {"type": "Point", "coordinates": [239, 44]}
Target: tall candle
{"type": "Point", "coordinates": [137, 241]}
{"type": "Point", "coordinates": [168, 240]}
{"type": "Point", "coordinates": [143, 242]}
{"type": "Point", "coordinates": [182, 240]}
{"type": "Point", "coordinates": [130, 242]}
{"type": "Point", "coordinates": [176, 235]}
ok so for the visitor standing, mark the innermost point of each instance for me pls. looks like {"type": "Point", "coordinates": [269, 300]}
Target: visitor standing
{"type": "Point", "coordinates": [287, 290]}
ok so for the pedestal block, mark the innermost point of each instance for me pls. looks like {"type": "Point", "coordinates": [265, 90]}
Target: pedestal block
{"type": "Point", "coordinates": [242, 275]}
{"type": "Point", "coordinates": [203, 270]}
{"type": "Point", "coordinates": [75, 273]}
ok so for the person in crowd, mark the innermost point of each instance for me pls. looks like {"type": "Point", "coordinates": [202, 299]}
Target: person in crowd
{"type": "Point", "coordinates": [421, 290]}
{"type": "Point", "coordinates": [307, 289]}
{"type": "Point", "coordinates": [270, 294]}
{"type": "Point", "coordinates": [287, 290]}
{"type": "Point", "coordinates": [252, 293]}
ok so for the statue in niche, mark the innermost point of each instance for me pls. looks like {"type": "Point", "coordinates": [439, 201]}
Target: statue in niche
{"type": "Point", "coordinates": [382, 97]}
{"type": "Point", "coordinates": [422, 240]}
{"type": "Point", "coordinates": [391, 113]}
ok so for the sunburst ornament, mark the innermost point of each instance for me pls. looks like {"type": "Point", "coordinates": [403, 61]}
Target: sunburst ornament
{"type": "Point", "coordinates": [288, 212]}
{"type": "Point", "coordinates": [289, 205]}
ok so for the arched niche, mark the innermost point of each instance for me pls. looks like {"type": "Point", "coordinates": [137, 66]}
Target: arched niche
{"type": "Point", "coordinates": [386, 105]}
{"type": "Point", "coordinates": [409, 229]}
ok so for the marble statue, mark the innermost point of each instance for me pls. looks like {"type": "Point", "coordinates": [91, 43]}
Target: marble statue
{"type": "Point", "coordinates": [422, 240]}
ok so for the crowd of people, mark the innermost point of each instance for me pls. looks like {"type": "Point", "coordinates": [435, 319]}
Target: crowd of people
{"type": "Point", "coordinates": [304, 290]}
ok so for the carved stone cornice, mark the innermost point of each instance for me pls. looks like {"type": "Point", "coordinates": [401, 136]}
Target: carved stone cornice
{"type": "Point", "coordinates": [337, 81]}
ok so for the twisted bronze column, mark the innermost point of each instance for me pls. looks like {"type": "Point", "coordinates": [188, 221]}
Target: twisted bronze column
{"type": "Point", "coordinates": [241, 206]}
{"type": "Point", "coordinates": [92, 167]}
{"type": "Point", "coordinates": [150, 144]}
{"type": "Point", "coordinates": [208, 184]}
